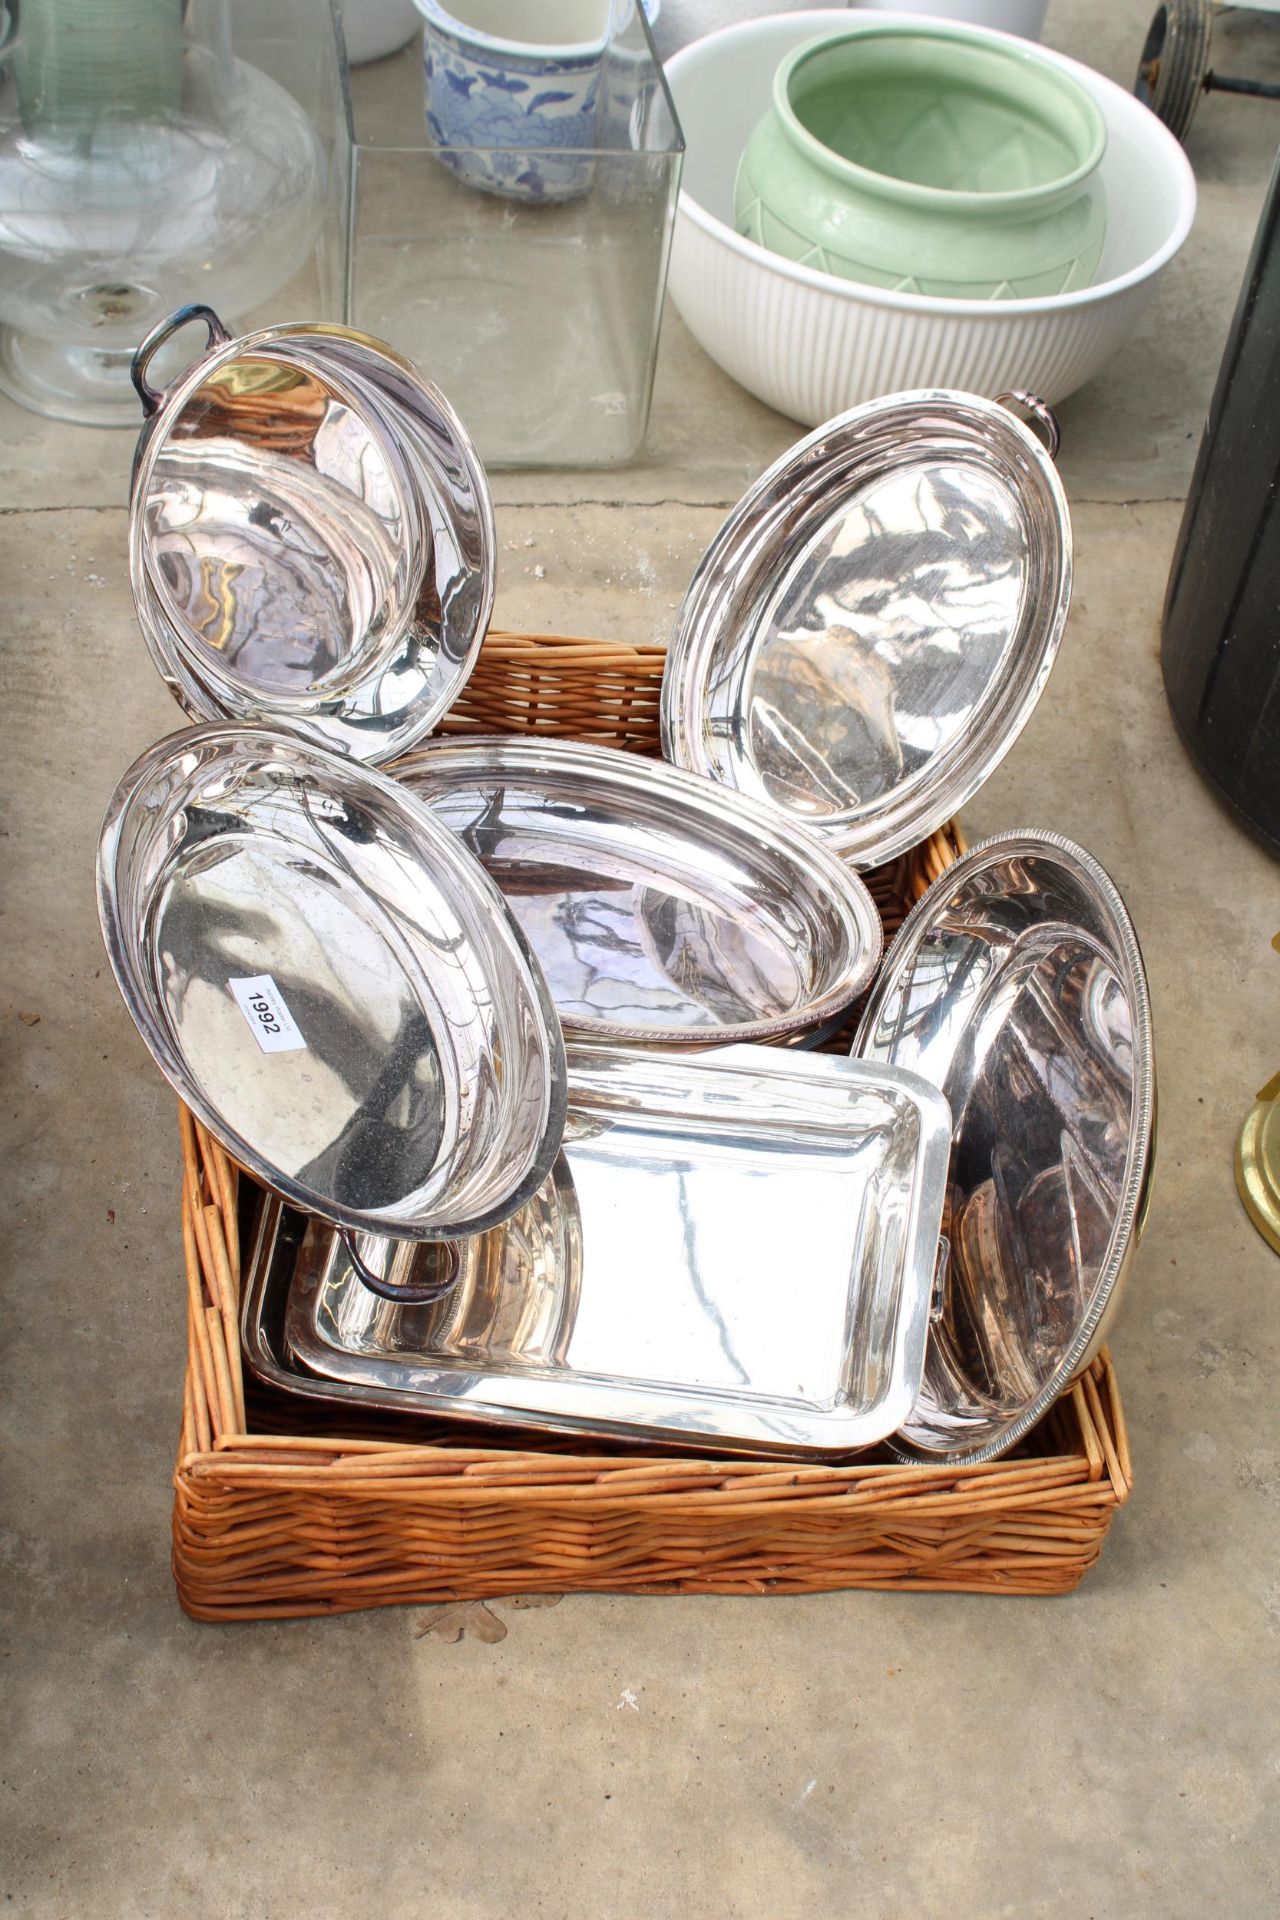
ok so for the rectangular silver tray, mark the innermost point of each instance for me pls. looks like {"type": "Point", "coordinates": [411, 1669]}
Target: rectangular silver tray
{"type": "Point", "coordinates": [735, 1250]}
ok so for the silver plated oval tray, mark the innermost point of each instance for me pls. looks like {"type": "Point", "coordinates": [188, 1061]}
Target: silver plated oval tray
{"type": "Point", "coordinates": [663, 909]}
{"type": "Point", "coordinates": [735, 1251]}
{"type": "Point", "coordinates": [331, 983]}
{"type": "Point", "coordinates": [870, 629]}
{"type": "Point", "coordinates": [1016, 986]}
{"type": "Point", "coordinates": [311, 537]}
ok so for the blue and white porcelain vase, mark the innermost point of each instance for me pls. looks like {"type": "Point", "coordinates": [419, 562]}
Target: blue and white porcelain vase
{"type": "Point", "coordinates": [513, 92]}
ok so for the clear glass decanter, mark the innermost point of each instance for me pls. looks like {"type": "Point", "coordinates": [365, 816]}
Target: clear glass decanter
{"type": "Point", "coordinates": [142, 165]}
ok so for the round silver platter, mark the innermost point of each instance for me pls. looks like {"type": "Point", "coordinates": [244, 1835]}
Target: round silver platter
{"type": "Point", "coordinates": [662, 908]}
{"type": "Point", "coordinates": [869, 631]}
{"type": "Point", "coordinates": [311, 538]}
{"type": "Point", "coordinates": [1016, 986]}
{"type": "Point", "coordinates": [330, 983]}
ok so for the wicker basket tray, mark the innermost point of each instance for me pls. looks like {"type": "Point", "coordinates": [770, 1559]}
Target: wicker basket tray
{"type": "Point", "coordinates": [275, 1516]}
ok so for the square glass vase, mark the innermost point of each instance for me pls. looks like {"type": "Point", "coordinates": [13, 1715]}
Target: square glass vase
{"type": "Point", "coordinates": [512, 210]}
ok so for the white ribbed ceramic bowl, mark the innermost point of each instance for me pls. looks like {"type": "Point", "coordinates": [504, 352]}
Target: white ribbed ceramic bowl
{"type": "Point", "coordinates": [812, 345]}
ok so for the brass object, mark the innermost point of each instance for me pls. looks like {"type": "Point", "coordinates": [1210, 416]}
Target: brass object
{"type": "Point", "coordinates": [1258, 1166]}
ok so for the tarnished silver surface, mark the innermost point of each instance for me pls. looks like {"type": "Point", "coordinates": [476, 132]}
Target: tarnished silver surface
{"type": "Point", "coordinates": [734, 1251]}
{"type": "Point", "coordinates": [872, 626]}
{"type": "Point", "coordinates": [1017, 987]}
{"type": "Point", "coordinates": [330, 982]}
{"type": "Point", "coordinates": [662, 908]}
{"type": "Point", "coordinates": [311, 538]}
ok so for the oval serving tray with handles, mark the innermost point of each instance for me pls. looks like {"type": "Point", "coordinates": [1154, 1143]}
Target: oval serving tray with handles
{"type": "Point", "coordinates": [663, 909]}
{"type": "Point", "coordinates": [311, 537]}
{"type": "Point", "coordinates": [331, 984]}
{"type": "Point", "coordinates": [872, 626]}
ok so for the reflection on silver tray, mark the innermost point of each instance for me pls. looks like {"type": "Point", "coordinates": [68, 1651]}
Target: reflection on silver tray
{"type": "Point", "coordinates": [662, 908]}
{"type": "Point", "coordinates": [735, 1251]}
{"type": "Point", "coordinates": [330, 982]}
{"type": "Point", "coordinates": [869, 631]}
{"type": "Point", "coordinates": [311, 538]}
{"type": "Point", "coordinates": [1017, 987]}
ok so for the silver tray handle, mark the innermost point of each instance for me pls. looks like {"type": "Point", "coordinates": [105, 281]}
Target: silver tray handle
{"type": "Point", "coordinates": [153, 398]}
{"type": "Point", "coordinates": [1034, 412]}
{"type": "Point", "coordinates": [941, 1278]}
{"type": "Point", "coordinates": [406, 1296]}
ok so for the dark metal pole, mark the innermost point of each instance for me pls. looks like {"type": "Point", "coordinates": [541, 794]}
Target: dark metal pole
{"type": "Point", "coordinates": [1225, 83]}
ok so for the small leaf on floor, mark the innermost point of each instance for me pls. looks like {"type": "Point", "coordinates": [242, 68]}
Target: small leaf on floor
{"type": "Point", "coordinates": [460, 1618]}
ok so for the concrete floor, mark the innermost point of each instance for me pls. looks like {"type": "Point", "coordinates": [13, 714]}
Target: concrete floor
{"type": "Point", "coordinates": [1115, 1754]}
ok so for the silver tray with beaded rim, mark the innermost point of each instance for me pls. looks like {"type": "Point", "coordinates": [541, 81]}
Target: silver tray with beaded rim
{"type": "Point", "coordinates": [1016, 985]}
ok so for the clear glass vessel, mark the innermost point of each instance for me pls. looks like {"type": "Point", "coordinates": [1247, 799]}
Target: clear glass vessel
{"type": "Point", "coordinates": [153, 153]}
{"type": "Point", "coordinates": [520, 265]}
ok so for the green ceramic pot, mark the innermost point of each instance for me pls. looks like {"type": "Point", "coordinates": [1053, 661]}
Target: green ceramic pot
{"type": "Point", "coordinates": [931, 159]}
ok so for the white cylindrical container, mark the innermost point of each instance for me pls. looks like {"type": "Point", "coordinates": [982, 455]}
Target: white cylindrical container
{"type": "Point", "coordinates": [374, 28]}
{"type": "Point", "coordinates": [684, 20]}
{"type": "Point", "coordinates": [1023, 17]}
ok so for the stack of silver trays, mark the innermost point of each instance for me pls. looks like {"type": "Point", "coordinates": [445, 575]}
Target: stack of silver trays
{"type": "Point", "coordinates": [517, 1034]}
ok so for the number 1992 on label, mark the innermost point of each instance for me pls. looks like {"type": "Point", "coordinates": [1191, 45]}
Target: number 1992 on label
{"type": "Point", "coordinates": [268, 1018]}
